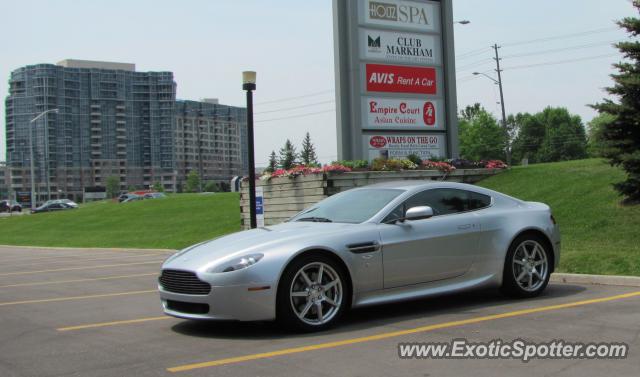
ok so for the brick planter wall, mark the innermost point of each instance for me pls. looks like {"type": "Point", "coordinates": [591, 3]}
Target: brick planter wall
{"type": "Point", "coordinates": [284, 197]}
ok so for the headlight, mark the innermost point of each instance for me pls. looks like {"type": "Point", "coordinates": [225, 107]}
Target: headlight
{"type": "Point", "coordinates": [237, 264]}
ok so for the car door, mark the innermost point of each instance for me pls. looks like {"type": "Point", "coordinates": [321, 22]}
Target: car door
{"type": "Point", "coordinates": [55, 207]}
{"type": "Point", "coordinates": [441, 247]}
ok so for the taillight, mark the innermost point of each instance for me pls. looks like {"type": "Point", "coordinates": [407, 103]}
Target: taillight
{"type": "Point", "coordinates": [553, 220]}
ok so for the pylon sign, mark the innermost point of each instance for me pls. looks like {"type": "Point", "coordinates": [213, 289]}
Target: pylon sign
{"type": "Point", "coordinates": [395, 79]}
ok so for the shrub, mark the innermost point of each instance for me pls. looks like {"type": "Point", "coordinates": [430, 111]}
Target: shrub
{"type": "Point", "coordinates": [444, 167]}
{"type": "Point", "coordinates": [380, 164]}
{"type": "Point", "coordinates": [415, 159]}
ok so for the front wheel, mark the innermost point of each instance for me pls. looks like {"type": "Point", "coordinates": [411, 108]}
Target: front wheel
{"type": "Point", "coordinates": [527, 267]}
{"type": "Point", "coordinates": [312, 294]}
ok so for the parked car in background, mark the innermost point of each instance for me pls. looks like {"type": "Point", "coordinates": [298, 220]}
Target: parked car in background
{"type": "Point", "coordinates": [10, 206]}
{"type": "Point", "coordinates": [52, 207]}
{"type": "Point", "coordinates": [155, 195]}
{"type": "Point", "coordinates": [126, 196]}
{"type": "Point", "coordinates": [132, 198]}
{"type": "Point", "coordinates": [68, 202]}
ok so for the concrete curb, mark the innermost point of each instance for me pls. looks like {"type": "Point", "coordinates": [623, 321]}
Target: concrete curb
{"type": "Point", "coordinates": [628, 281]}
{"type": "Point", "coordinates": [88, 248]}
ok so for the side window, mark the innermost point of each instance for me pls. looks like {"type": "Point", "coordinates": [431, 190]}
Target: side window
{"type": "Point", "coordinates": [443, 202]}
{"type": "Point", "coordinates": [478, 201]}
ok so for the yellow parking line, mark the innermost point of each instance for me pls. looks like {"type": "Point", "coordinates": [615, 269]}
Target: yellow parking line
{"type": "Point", "coordinates": [315, 347]}
{"type": "Point", "coordinates": [56, 248]}
{"type": "Point", "coordinates": [57, 260]}
{"type": "Point", "coordinates": [74, 298]}
{"type": "Point", "coordinates": [75, 281]}
{"type": "Point", "coordinates": [114, 323]}
{"type": "Point", "coordinates": [77, 268]}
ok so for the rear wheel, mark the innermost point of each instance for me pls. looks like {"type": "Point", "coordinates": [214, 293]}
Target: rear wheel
{"type": "Point", "coordinates": [527, 267]}
{"type": "Point", "coordinates": [312, 294]}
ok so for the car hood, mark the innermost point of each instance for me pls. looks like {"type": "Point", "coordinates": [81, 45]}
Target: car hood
{"type": "Point", "coordinates": [259, 240]}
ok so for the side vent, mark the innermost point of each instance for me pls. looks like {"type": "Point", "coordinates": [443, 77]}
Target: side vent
{"type": "Point", "coordinates": [365, 247]}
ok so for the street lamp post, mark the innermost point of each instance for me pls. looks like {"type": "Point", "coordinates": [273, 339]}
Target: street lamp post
{"type": "Point", "coordinates": [504, 114]}
{"type": "Point", "coordinates": [32, 165]}
{"type": "Point", "coordinates": [249, 85]}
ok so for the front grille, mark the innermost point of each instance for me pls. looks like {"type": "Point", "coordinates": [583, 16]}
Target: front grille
{"type": "Point", "coordinates": [187, 307]}
{"type": "Point", "coordinates": [183, 282]}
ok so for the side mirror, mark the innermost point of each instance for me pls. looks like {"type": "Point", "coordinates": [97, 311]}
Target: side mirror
{"type": "Point", "coordinates": [419, 213]}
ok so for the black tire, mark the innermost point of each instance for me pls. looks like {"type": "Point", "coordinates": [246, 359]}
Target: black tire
{"type": "Point", "coordinates": [510, 286]}
{"type": "Point", "coordinates": [285, 314]}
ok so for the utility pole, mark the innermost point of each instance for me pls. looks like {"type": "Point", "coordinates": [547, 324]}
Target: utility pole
{"type": "Point", "coordinates": [504, 114]}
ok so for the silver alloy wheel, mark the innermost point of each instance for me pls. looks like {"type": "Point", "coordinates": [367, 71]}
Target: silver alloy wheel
{"type": "Point", "coordinates": [316, 293]}
{"type": "Point", "coordinates": [530, 265]}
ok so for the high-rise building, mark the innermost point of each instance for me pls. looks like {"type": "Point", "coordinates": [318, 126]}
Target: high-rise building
{"type": "Point", "coordinates": [110, 120]}
{"type": "Point", "coordinates": [5, 182]}
{"type": "Point", "coordinates": [113, 121]}
{"type": "Point", "coordinates": [210, 139]}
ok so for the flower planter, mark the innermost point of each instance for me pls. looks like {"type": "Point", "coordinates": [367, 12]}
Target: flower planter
{"type": "Point", "coordinates": [284, 196]}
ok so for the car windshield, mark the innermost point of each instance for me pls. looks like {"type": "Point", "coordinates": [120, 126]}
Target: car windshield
{"type": "Point", "coordinates": [354, 206]}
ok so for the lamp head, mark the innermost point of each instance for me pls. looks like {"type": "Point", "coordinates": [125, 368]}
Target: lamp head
{"type": "Point", "coordinates": [249, 80]}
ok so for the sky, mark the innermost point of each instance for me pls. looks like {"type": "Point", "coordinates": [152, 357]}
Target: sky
{"type": "Point", "coordinates": [208, 43]}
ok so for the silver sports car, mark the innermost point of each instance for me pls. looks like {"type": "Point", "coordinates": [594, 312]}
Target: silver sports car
{"type": "Point", "coordinates": [370, 245]}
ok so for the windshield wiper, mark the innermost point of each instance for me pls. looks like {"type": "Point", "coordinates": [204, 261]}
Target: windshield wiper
{"type": "Point", "coordinates": [316, 219]}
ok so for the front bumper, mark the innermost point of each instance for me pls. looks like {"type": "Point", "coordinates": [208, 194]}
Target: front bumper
{"type": "Point", "coordinates": [234, 302]}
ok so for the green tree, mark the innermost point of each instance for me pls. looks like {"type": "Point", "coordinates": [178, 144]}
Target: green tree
{"type": "Point", "coordinates": [288, 155]}
{"type": "Point", "coordinates": [273, 163]}
{"type": "Point", "coordinates": [470, 113]}
{"type": "Point", "coordinates": [565, 136]}
{"type": "Point", "coordinates": [481, 138]}
{"type": "Point", "coordinates": [550, 135]}
{"type": "Point", "coordinates": [596, 142]}
{"type": "Point", "coordinates": [193, 182]}
{"type": "Point", "coordinates": [112, 187]}
{"type": "Point", "coordinates": [529, 138]}
{"type": "Point", "coordinates": [622, 135]}
{"type": "Point", "coordinates": [211, 187]}
{"type": "Point", "coordinates": [308, 155]}
{"type": "Point", "coordinates": [157, 187]}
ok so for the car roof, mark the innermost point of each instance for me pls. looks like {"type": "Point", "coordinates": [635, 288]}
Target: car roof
{"type": "Point", "coordinates": [419, 185]}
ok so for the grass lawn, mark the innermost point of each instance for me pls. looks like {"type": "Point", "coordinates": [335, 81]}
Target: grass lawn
{"type": "Point", "coordinates": [599, 236]}
{"type": "Point", "coordinates": [171, 223]}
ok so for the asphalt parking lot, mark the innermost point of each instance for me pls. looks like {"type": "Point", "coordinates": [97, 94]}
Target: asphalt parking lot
{"type": "Point", "coordinates": [90, 312]}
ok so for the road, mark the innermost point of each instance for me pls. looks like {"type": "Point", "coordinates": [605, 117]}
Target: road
{"type": "Point", "coordinates": [96, 312]}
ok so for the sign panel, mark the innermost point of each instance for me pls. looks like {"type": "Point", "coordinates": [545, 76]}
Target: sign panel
{"type": "Point", "coordinates": [412, 15]}
{"type": "Point", "coordinates": [395, 78]}
{"type": "Point", "coordinates": [401, 79]}
{"type": "Point", "coordinates": [259, 207]}
{"type": "Point", "coordinates": [24, 198]}
{"type": "Point", "coordinates": [401, 145]}
{"type": "Point", "coordinates": [408, 114]}
{"type": "Point", "coordinates": [401, 47]}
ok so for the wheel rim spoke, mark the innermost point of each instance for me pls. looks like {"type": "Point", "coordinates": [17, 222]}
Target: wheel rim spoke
{"type": "Point", "coordinates": [306, 278]}
{"type": "Point", "coordinates": [319, 310]}
{"type": "Point", "coordinates": [330, 285]}
{"type": "Point", "coordinates": [320, 270]}
{"type": "Point", "coordinates": [304, 311]}
{"type": "Point", "coordinates": [299, 294]}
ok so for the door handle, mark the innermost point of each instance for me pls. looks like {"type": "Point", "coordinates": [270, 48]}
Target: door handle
{"type": "Point", "coordinates": [464, 227]}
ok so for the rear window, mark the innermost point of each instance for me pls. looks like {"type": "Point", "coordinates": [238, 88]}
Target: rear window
{"type": "Point", "coordinates": [478, 201]}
